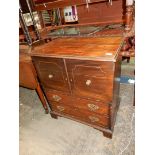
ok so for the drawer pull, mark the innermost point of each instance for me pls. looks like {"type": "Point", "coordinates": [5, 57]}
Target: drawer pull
{"type": "Point", "coordinates": [60, 108]}
{"type": "Point", "coordinates": [93, 119]}
{"type": "Point", "coordinates": [88, 82]}
{"type": "Point", "coordinates": [50, 76]}
{"type": "Point", "coordinates": [93, 107]}
{"type": "Point", "coordinates": [56, 98]}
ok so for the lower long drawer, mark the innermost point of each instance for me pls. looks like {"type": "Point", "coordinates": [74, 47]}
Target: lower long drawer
{"type": "Point", "coordinates": [82, 115]}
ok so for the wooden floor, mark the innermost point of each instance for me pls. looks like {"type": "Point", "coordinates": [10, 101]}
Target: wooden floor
{"type": "Point", "coordinates": [42, 135]}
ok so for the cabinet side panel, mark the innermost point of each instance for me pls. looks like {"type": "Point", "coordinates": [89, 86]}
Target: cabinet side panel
{"type": "Point", "coordinates": [116, 89]}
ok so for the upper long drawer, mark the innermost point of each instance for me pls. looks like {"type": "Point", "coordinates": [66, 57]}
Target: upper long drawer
{"type": "Point", "coordinates": [51, 72]}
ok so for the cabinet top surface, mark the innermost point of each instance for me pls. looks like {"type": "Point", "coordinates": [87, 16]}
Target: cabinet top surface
{"type": "Point", "coordinates": [103, 48]}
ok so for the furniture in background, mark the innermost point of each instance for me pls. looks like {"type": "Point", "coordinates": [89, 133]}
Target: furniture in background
{"type": "Point", "coordinates": [128, 49]}
{"type": "Point", "coordinates": [28, 76]}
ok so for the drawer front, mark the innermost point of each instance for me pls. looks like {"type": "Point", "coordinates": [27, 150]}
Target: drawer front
{"type": "Point", "coordinates": [91, 79]}
{"type": "Point", "coordinates": [83, 104]}
{"type": "Point", "coordinates": [58, 97]}
{"type": "Point", "coordinates": [52, 73]}
{"type": "Point", "coordinates": [85, 116]}
{"type": "Point", "coordinates": [91, 106]}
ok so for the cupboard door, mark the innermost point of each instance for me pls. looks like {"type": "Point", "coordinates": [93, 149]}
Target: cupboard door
{"type": "Point", "coordinates": [91, 79]}
{"type": "Point", "coordinates": [51, 72]}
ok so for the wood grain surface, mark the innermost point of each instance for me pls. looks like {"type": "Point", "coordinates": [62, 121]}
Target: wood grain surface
{"type": "Point", "coordinates": [105, 48]}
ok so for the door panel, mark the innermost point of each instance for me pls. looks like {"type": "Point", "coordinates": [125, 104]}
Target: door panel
{"type": "Point", "coordinates": [91, 79]}
{"type": "Point", "coordinates": [52, 73]}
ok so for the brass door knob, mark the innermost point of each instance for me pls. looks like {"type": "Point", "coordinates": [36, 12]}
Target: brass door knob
{"type": "Point", "coordinates": [92, 107]}
{"type": "Point", "coordinates": [50, 76]}
{"type": "Point", "coordinates": [60, 108]}
{"type": "Point", "coordinates": [56, 98]}
{"type": "Point", "coordinates": [93, 119]}
{"type": "Point", "coordinates": [88, 82]}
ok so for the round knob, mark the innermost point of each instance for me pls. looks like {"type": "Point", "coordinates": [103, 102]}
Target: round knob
{"type": "Point", "coordinates": [50, 76]}
{"type": "Point", "coordinates": [88, 82]}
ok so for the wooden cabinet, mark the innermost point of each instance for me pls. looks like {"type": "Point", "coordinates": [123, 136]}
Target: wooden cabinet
{"type": "Point", "coordinates": [81, 82]}
{"type": "Point", "coordinates": [28, 76]}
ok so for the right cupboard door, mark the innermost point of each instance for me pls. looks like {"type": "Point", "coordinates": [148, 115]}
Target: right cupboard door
{"type": "Point", "coordinates": [91, 79]}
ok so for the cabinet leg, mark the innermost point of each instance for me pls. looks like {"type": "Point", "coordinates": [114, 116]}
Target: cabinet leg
{"type": "Point", "coordinates": [107, 134]}
{"type": "Point", "coordinates": [41, 96]}
{"type": "Point", "coordinates": [53, 115]}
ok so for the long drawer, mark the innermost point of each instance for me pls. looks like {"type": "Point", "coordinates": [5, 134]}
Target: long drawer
{"type": "Point", "coordinates": [82, 115]}
{"type": "Point", "coordinates": [83, 104]}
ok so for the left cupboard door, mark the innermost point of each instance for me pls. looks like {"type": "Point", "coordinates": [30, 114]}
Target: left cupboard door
{"type": "Point", "coordinates": [52, 73]}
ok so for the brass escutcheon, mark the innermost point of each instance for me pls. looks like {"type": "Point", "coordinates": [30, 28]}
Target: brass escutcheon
{"type": "Point", "coordinates": [56, 98]}
{"type": "Point", "coordinates": [93, 107]}
{"type": "Point", "coordinates": [93, 119]}
{"type": "Point", "coordinates": [60, 108]}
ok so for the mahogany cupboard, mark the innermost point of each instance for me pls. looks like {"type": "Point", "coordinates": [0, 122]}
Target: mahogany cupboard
{"type": "Point", "coordinates": [80, 73]}
{"type": "Point", "coordinates": [81, 80]}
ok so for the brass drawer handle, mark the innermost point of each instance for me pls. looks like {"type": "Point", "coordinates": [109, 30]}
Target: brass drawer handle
{"type": "Point", "coordinates": [56, 98]}
{"type": "Point", "coordinates": [88, 82]}
{"type": "Point", "coordinates": [93, 107]}
{"type": "Point", "coordinates": [60, 108]}
{"type": "Point", "coordinates": [50, 76]}
{"type": "Point", "coordinates": [93, 119]}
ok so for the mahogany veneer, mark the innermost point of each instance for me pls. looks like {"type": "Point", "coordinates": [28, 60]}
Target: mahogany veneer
{"type": "Point", "coordinates": [80, 77]}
